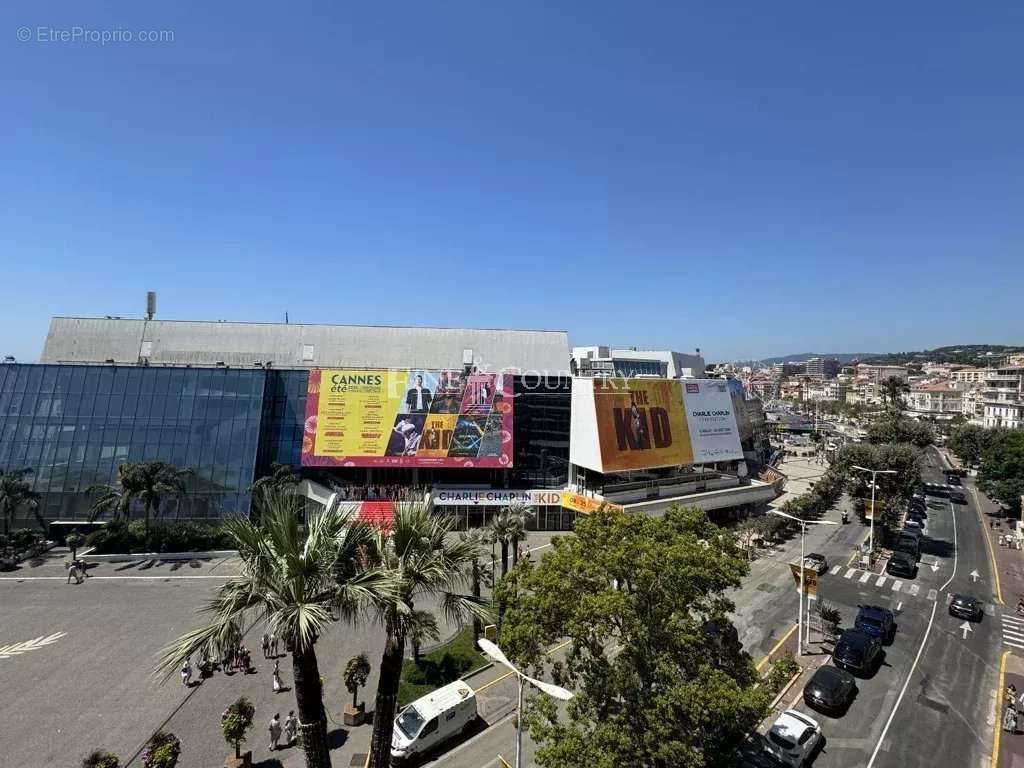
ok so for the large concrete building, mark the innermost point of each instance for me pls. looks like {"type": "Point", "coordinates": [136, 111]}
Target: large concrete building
{"type": "Point", "coordinates": [632, 362]}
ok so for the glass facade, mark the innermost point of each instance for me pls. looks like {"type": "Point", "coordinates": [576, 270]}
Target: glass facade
{"type": "Point", "coordinates": [73, 425]}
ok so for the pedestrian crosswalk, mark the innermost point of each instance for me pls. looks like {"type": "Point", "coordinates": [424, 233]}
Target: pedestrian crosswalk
{"type": "Point", "coordinates": [1013, 632]}
{"type": "Point", "coordinates": [883, 582]}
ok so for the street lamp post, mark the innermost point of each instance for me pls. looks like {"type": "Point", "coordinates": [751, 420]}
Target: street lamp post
{"type": "Point", "coordinates": [495, 653]}
{"type": "Point", "coordinates": [874, 472]}
{"type": "Point", "coordinates": [800, 611]}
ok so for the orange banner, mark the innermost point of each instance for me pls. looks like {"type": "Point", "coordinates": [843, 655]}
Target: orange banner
{"type": "Point", "coordinates": [641, 424]}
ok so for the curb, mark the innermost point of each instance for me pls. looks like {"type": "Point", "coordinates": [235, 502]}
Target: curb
{"type": "Point", "coordinates": [125, 558]}
{"type": "Point", "coordinates": [785, 689]}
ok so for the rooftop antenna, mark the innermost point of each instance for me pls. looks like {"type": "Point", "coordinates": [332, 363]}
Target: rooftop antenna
{"type": "Point", "coordinates": [150, 304]}
{"type": "Point", "coordinates": [286, 317]}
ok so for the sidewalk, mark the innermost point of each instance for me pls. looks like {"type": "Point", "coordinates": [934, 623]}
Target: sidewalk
{"type": "Point", "coordinates": [1011, 745]}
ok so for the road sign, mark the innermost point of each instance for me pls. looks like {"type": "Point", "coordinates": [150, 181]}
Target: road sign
{"type": "Point", "coordinates": [810, 578]}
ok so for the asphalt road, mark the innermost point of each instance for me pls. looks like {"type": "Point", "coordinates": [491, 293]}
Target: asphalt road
{"type": "Point", "coordinates": [931, 702]}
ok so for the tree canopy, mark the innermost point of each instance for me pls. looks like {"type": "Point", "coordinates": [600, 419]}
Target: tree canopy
{"type": "Point", "coordinates": [896, 428]}
{"type": "Point", "coordinates": [659, 677]}
{"type": "Point", "coordinates": [968, 442]}
{"type": "Point", "coordinates": [1002, 466]}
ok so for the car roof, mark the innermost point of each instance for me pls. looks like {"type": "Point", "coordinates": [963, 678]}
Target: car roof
{"type": "Point", "coordinates": [960, 596]}
{"type": "Point", "coordinates": [855, 637]}
{"type": "Point", "coordinates": [443, 699]}
{"type": "Point", "coordinates": [898, 555]}
{"type": "Point", "coordinates": [829, 674]}
{"type": "Point", "coordinates": [793, 724]}
{"type": "Point", "coordinates": [816, 555]}
{"type": "Point", "coordinates": [874, 610]}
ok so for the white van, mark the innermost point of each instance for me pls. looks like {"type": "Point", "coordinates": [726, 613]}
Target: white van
{"type": "Point", "coordinates": [436, 717]}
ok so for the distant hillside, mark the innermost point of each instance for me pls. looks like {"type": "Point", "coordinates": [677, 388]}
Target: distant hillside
{"type": "Point", "coordinates": [965, 354]}
{"type": "Point", "coordinates": [843, 357]}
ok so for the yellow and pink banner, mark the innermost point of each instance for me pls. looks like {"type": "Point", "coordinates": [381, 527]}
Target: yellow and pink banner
{"type": "Point", "coordinates": [411, 418]}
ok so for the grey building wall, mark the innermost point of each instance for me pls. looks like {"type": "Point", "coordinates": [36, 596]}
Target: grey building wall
{"type": "Point", "coordinates": [76, 339]}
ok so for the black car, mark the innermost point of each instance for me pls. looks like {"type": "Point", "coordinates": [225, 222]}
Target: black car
{"type": "Point", "coordinates": [877, 622]}
{"type": "Point", "coordinates": [966, 607]}
{"type": "Point", "coordinates": [957, 497]}
{"type": "Point", "coordinates": [857, 652]}
{"type": "Point", "coordinates": [830, 690]}
{"type": "Point", "coordinates": [902, 564]}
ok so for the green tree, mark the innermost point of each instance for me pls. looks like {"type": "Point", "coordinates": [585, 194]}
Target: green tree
{"type": "Point", "coordinates": [893, 491]}
{"type": "Point", "coordinates": [892, 390]}
{"type": "Point", "coordinates": [1002, 467]}
{"type": "Point", "coordinates": [74, 541]}
{"type": "Point", "coordinates": [357, 671]}
{"type": "Point", "coordinates": [501, 530]}
{"type": "Point", "coordinates": [477, 571]}
{"type": "Point", "coordinates": [16, 493]}
{"type": "Point", "coordinates": [236, 720]}
{"type": "Point", "coordinates": [518, 516]}
{"type": "Point", "coordinates": [425, 561]}
{"type": "Point", "coordinates": [968, 442]}
{"type": "Point", "coordinates": [296, 584]}
{"type": "Point", "coordinates": [635, 596]}
{"type": "Point", "coordinates": [893, 427]}
{"type": "Point", "coordinates": [422, 628]}
{"type": "Point", "coordinates": [147, 483]}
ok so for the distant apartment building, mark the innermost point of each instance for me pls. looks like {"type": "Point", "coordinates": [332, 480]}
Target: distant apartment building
{"type": "Point", "coordinates": [833, 391]}
{"type": "Point", "coordinates": [633, 362]}
{"type": "Point", "coordinates": [970, 375]}
{"type": "Point", "coordinates": [790, 369]}
{"type": "Point", "coordinates": [763, 387]}
{"type": "Point", "coordinates": [879, 373]}
{"type": "Point", "coordinates": [1003, 397]}
{"type": "Point", "coordinates": [972, 404]}
{"type": "Point", "coordinates": [1015, 360]}
{"type": "Point", "coordinates": [822, 367]}
{"type": "Point", "coordinates": [938, 399]}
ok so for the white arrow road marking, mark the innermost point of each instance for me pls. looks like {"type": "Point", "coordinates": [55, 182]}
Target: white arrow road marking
{"type": "Point", "coordinates": [914, 589]}
{"type": "Point", "coordinates": [974, 575]}
{"type": "Point", "coordinates": [880, 582]}
{"type": "Point", "coordinates": [835, 569]}
{"type": "Point", "coordinates": [849, 572]}
{"type": "Point", "coordinates": [933, 594]}
{"type": "Point", "coordinates": [896, 585]}
{"type": "Point", "coordinates": [966, 627]}
{"type": "Point", "coordinates": [934, 567]}
{"type": "Point", "coordinates": [863, 579]}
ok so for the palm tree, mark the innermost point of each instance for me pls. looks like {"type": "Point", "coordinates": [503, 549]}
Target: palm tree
{"type": "Point", "coordinates": [296, 585]}
{"type": "Point", "coordinates": [422, 628]}
{"type": "Point", "coordinates": [501, 529]}
{"type": "Point", "coordinates": [15, 493]}
{"type": "Point", "coordinates": [892, 391]}
{"type": "Point", "coordinates": [478, 571]}
{"type": "Point", "coordinates": [425, 561]}
{"type": "Point", "coordinates": [518, 515]}
{"type": "Point", "coordinates": [281, 476]}
{"type": "Point", "coordinates": [147, 482]}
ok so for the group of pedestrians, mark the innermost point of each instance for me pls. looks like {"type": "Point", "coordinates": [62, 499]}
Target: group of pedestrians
{"type": "Point", "coordinates": [291, 729]}
{"type": "Point", "coordinates": [382, 493]}
{"type": "Point", "coordinates": [77, 571]}
{"type": "Point", "coordinates": [1014, 706]}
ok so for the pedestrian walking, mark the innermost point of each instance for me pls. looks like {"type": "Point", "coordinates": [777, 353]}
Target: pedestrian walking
{"type": "Point", "coordinates": [274, 727]}
{"type": "Point", "coordinates": [273, 645]}
{"type": "Point", "coordinates": [291, 727]}
{"type": "Point", "coordinates": [265, 642]}
{"type": "Point", "coordinates": [1010, 720]}
{"type": "Point", "coordinates": [276, 679]}
{"type": "Point", "coordinates": [186, 673]}
{"type": "Point", "coordinates": [73, 573]}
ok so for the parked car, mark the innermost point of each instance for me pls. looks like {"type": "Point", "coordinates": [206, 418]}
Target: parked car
{"type": "Point", "coordinates": [817, 561]}
{"type": "Point", "coordinates": [966, 607]}
{"type": "Point", "coordinates": [857, 652]}
{"type": "Point", "coordinates": [876, 621]}
{"type": "Point", "coordinates": [432, 719]}
{"type": "Point", "coordinates": [957, 497]}
{"type": "Point", "coordinates": [902, 564]}
{"type": "Point", "coordinates": [754, 754]}
{"type": "Point", "coordinates": [795, 738]}
{"type": "Point", "coordinates": [911, 532]}
{"type": "Point", "coordinates": [908, 545]}
{"type": "Point", "coordinates": [914, 522]}
{"type": "Point", "coordinates": [830, 690]}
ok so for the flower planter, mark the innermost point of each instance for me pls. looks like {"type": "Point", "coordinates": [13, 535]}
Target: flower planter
{"type": "Point", "coordinates": [245, 761]}
{"type": "Point", "coordinates": [354, 715]}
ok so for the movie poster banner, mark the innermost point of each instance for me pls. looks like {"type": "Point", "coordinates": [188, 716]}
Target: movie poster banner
{"type": "Point", "coordinates": [711, 417]}
{"type": "Point", "coordinates": [641, 424]}
{"type": "Point", "coordinates": [407, 418]}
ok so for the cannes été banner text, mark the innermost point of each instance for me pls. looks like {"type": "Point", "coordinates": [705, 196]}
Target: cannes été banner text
{"type": "Point", "coordinates": [644, 423]}
{"type": "Point", "coordinates": [407, 418]}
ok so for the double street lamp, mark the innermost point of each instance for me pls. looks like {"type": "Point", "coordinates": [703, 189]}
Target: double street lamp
{"type": "Point", "coordinates": [800, 612]}
{"type": "Point", "coordinates": [494, 653]}
{"type": "Point", "coordinates": [874, 473]}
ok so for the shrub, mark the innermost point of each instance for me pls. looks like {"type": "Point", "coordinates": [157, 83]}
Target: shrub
{"type": "Point", "coordinates": [357, 671]}
{"type": "Point", "coordinates": [100, 759]}
{"type": "Point", "coordinates": [119, 537]}
{"type": "Point", "coordinates": [783, 669]}
{"type": "Point", "coordinates": [162, 751]}
{"type": "Point", "coordinates": [23, 538]}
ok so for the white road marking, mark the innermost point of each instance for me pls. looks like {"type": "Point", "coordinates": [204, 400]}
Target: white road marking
{"type": "Point", "coordinates": [956, 555]}
{"type": "Point", "coordinates": [949, 598]}
{"type": "Point", "coordinates": [903, 690]}
{"type": "Point", "coordinates": [1013, 635]}
{"type": "Point", "coordinates": [863, 579]}
{"type": "Point", "coordinates": [835, 569]}
{"type": "Point", "coordinates": [914, 589]}
{"type": "Point", "coordinates": [899, 606]}
{"type": "Point", "coordinates": [896, 585]}
{"type": "Point", "coordinates": [1013, 645]}
{"type": "Point", "coordinates": [1012, 620]}
{"type": "Point", "coordinates": [849, 573]}
{"type": "Point", "coordinates": [880, 582]}
{"type": "Point", "coordinates": [112, 578]}
{"type": "Point", "coordinates": [933, 594]}
{"type": "Point", "coordinates": [542, 546]}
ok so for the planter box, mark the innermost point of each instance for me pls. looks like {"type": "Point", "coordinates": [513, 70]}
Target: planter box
{"type": "Point", "coordinates": [354, 715]}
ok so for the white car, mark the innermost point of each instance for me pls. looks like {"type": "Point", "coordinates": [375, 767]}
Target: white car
{"type": "Point", "coordinates": [794, 738]}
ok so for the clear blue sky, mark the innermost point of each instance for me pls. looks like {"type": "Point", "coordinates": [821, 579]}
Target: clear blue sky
{"type": "Point", "coordinates": [750, 178]}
